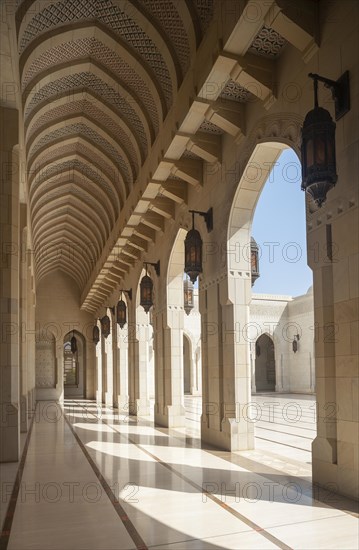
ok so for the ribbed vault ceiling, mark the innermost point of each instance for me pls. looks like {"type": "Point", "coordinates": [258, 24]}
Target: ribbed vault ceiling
{"type": "Point", "coordinates": [98, 78]}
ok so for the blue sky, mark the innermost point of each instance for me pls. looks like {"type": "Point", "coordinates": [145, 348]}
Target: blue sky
{"type": "Point", "coordinates": [279, 221]}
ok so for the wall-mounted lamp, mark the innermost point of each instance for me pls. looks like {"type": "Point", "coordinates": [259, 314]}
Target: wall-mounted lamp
{"type": "Point", "coordinates": [105, 326]}
{"type": "Point", "coordinates": [121, 309]}
{"type": "Point", "coordinates": [254, 261]}
{"type": "Point", "coordinates": [318, 139]}
{"type": "Point", "coordinates": [295, 343]}
{"type": "Point", "coordinates": [73, 342]}
{"type": "Point", "coordinates": [95, 335]}
{"type": "Point", "coordinates": [193, 245]}
{"type": "Point", "coordinates": [146, 287]}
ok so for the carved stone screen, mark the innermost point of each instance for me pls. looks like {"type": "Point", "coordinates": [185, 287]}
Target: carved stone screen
{"type": "Point", "coordinates": [45, 363]}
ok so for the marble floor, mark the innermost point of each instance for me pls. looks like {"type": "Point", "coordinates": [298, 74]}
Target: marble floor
{"type": "Point", "coordinates": [91, 479]}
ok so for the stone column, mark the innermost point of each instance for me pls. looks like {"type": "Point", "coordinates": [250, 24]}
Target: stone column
{"type": "Point", "coordinates": [224, 306]}
{"type": "Point", "coordinates": [9, 284]}
{"type": "Point", "coordinates": [103, 368]}
{"type": "Point", "coordinates": [29, 335]}
{"type": "Point", "coordinates": [24, 405]}
{"type": "Point", "coordinates": [324, 446]}
{"type": "Point", "coordinates": [168, 342]}
{"type": "Point", "coordinates": [122, 398]}
{"type": "Point", "coordinates": [109, 354]}
{"type": "Point", "coordinates": [139, 403]}
{"type": "Point", "coordinates": [59, 368]}
{"type": "Point", "coordinates": [98, 370]}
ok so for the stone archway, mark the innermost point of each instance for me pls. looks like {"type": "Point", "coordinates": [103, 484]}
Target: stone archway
{"type": "Point", "coordinates": [265, 376]}
{"type": "Point", "coordinates": [74, 365]}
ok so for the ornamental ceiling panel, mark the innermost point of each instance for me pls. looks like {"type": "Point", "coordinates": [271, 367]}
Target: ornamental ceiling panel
{"type": "Point", "coordinates": [87, 80]}
{"type": "Point", "coordinates": [98, 78]}
{"type": "Point", "coordinates": [235, 92]}
{"type": "Point", "coordinates": [77, 129]}
{"type": "Point", "coordinates": [91, 47]}
{"type": "Point", "coordinates": [268, 43]}
{"type": "Point", "coordinates": [84, 106]}
{"type": "Point", "coordinates": [107, 13]}
{"type": "Point", "coordinates": [165, 12]}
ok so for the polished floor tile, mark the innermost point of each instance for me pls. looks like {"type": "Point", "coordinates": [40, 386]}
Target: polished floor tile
{"type": "Point", "coordinates": [96, 480]}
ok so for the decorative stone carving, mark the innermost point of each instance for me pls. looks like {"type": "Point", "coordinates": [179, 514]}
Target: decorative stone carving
{"type": "Point", "coordinates": [83, 80]}
{"type": "Point", "coordinates": [268, 43]}
{"type": "Point", "coordinates": [45, 364]}
{"type": "Point", "coordinates": [235, 92]}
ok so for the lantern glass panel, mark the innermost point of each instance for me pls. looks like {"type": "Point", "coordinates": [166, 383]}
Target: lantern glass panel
{"type": "Point", "coordinates": [146, 292]}
{"type": "Point", "coordinates": [121, 313]}
{"type": "Point", "coordinates": [105, 326]}
{"type": "Point", "coordinates": [96, 335]}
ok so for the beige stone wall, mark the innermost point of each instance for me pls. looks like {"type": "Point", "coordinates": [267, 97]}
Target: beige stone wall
{"type": "Point", "coordinates": [57, 313]}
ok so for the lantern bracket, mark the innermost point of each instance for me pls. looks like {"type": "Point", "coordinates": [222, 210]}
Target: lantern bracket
{"type": "Point", "coordinates": [155, 265]}
{"type": "Point", "coordinates": [128, 292]}
{"type": "Point", "coordinates": [208, 217]}
{"type": "Point", "coordinates": [340, 91]}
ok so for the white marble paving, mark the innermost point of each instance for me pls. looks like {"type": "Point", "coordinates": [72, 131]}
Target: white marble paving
{"type": "Point", "coordinates": [254, 499]}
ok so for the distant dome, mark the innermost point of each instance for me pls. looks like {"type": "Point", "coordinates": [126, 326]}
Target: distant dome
{"type": "Point", "coordinates": [310, 290]}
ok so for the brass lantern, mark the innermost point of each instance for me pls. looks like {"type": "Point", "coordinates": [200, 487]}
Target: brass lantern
{"type": "Point", "coordinates": [121, 313]}
{"type": "Point", "coordinates": [318, 139]}
{"type": "Point", "coordinates": [95, 335]}
{"type": "Point", "coordinates": [146, 287]}
{"type": "Point", "coordinates": [295, 343]}
{"type": "Point", "coordinates": [73, 342]}
{"type": "Point", "coordinates": [188, 296]}
{"type": "Point", "coordinates": [254, 261]}
{"type": "Point", "coordinates": [105, 326]}
{"type": "Point", "coordinates": [146, 292]}
{"type": "Point", "coordinates": [193, 253]}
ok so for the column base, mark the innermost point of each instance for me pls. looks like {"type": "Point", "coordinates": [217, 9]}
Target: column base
{"type": "Point", "coordinates": [141, 407]}
{"type": "Point", "coordinates": [335, 471]}
{"type": "Point", "coordinates": [174, 416]}
{"type": "Point", "coordinates": [9, 434]}
{"type": "Point", "coordinates": [108, 399]}
{"type": "Point", "coordinates": [122, 404]}
{"type": "Point", "coordinates": [233, 436]}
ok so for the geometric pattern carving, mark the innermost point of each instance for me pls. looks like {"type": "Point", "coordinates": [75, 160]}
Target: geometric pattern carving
{"type": "Point", "coordinates": [205, 12]}
{"type": "Point", "coordinates": [235, 92]}
{"type": "Point", "coordinates": [68, 167]}
{"type": "Point", "coordinates": [209, 128]}
{"type": "Point", "coordinates": [84, 106]}
{"type": "Point", "coordinates": [268, 43]}
{"type": "Point", "coordinates": [165, 12]}
{"type": "Point", "coordinates": [97, 161]}
{"type": "Point", "coordinates": [85, 80]}
{"type": "Point", "coordinates": [80, 128]}
{"type": "Point", "coordinates": [85, 47]}
{"type": "Point", "coordinates": [110, 15]}
{"type": "Point", "coordinates": [45, 363]}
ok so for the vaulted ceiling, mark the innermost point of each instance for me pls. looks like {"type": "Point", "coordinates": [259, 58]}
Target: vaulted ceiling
{"type": "Point", "coordinates": [123, 102]}
{"type": "Point", "coordinates": [98, 78]}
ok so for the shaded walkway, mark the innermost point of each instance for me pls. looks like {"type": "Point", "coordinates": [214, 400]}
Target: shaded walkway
{"type": "Point", "coordinates": [165, 491]}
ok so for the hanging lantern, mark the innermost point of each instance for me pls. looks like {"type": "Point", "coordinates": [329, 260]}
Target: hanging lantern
{"type": "Point", "coordinates": [146, 292]}
{"type": "Point", "coordinates": [105, 326]}
{"type": "Point", "coordinates": [254, 261]}
{"type": "Point", "coordinates": [188, 296]}
{"type": "Point", "coordinates": [73, 344]}
{"type": "Point", "coordinates": [95, 335]}
{"type": "Point", "coordinates": [121, 313]}
{"type": "Point", "coordinates": [295, 343]}
{"type": "Point", "coordinates": [193, 253]}
{"type": "Point", "coordinates": [318, 139]}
